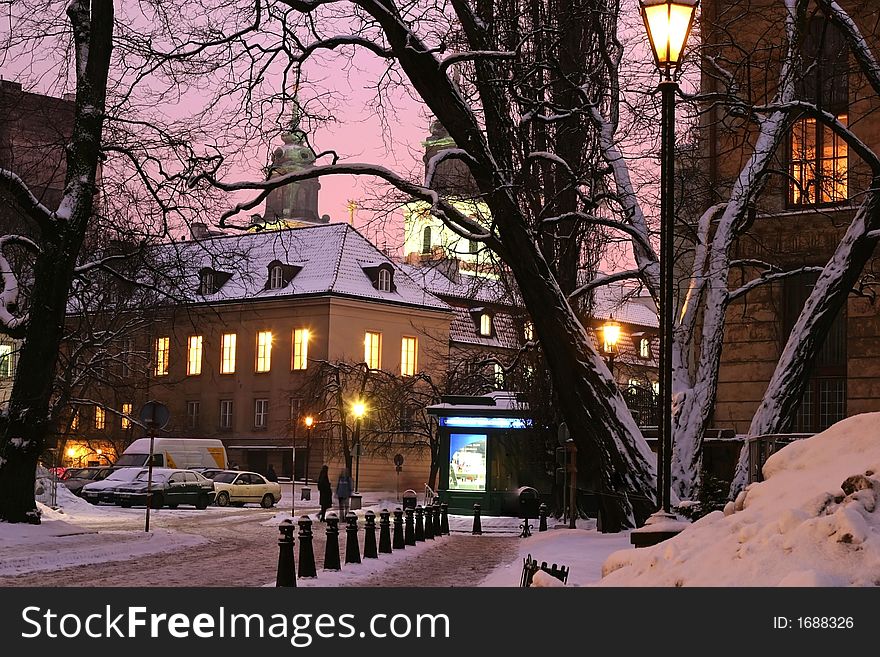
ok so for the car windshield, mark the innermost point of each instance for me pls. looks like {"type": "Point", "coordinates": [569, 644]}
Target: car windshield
{"type": "Point", "coordinates": [70, 473]}
{"type": "Point", "coordinates": [90, 474]}
{"type": "Point", "coordinates": [126, 474]}
{"type": "Point", "coordinates": [225, 477]}
{"type": "Point", "coordinates": [157, 476]}
{"type": "Point", "coordinates": [131, 459]}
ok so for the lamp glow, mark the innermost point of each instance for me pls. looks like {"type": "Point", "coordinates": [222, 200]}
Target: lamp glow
{"type": "Point", "coordinates": [358, 408]}
{"type": "Point", "coordinates": [668, 23]}
{"type": "Point", "coordinates": [309, 421]}
{"type": "Point", "coordinates": [610, 335]}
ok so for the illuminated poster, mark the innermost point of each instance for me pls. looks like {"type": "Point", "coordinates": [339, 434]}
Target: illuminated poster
{"type": "Point", "coordinates": [467, 461]}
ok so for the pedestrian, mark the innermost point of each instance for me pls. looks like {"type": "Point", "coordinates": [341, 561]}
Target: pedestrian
{"type": "Point", "coordinates": [271, 474]}
{"type": "Point", "coordinates": [343, 491]}
{"type": "Point", "coordinates": [325, 490]}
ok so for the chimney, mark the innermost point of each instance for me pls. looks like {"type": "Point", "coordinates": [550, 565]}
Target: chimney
{"type": "Point", "coordinates": [198, 230]}
{"type": "Point", "coordinates": [449, 268]}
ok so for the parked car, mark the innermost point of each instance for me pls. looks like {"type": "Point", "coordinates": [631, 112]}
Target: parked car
{"type": "Point", "coordinates": [76, 478]}
{"type": "Point", "coordinates": [234, 487]}
{"type": "Point", "coordinates": [210, 473]}
{"type": "Point", "coordinates": [105, 490]}
{"type": "Point", "coordinates": [170, 487]}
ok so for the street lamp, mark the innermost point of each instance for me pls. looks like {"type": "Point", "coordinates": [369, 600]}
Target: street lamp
{"type": "Point", "coordinates": [309, 422]}
{"type": "Point", "coordinates": [610, 338]}
{"type": "Point", "coordinates": [668, 23]}
{"type": "Point", "coordinates": [358, 409]}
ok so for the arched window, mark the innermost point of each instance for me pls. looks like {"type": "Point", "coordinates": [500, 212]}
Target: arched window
{"type": "Point", "coordinates": [486, 324]}
{"type": "Point", "coordinates": [426, 240]}
{"type": "Point", "coordinates": [276, 277]}
{"type": "Point", "coordinates": [384, 281]}
{"type": "Point", "coordinates": [645, 348]}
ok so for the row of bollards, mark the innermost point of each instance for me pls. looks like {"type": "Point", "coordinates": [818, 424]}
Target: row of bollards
{"type": "Point", "coordinates": [429, 522]}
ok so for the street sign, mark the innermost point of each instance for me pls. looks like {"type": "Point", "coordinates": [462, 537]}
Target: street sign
{"type": "Point", "coordinates": [155, 415]}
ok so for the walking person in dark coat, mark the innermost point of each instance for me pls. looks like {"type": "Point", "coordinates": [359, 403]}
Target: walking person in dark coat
{"type": "Point", "coordinates": [271, 474]}
{"type": "Point", "coordinates": [326, 492]}
{"type": "Point", "coordinates": [344, 488]}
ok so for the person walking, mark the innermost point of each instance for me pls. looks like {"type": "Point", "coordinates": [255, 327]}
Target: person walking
{"type": "Point", "coordinates": [271, 475]}
{"type": "Point", "coordinates": [344, 487]}
{"type": "Point", "coordinates": [325, 491]}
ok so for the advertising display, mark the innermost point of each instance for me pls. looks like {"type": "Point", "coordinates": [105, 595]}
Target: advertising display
{"type": "Point", "coordinates": [467, 461]}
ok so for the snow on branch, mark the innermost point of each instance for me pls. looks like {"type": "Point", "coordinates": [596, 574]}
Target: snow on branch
{"type": "Point", "coordinates": [9, 317]}
{"type": "Point", "coordinates": [633, 231]}
{"type": "Point", "coordinates": [14, 187]}
{"type": "Point", "coordinates": [442, 156]}
{"type": "Point", "coordinates": [768, 277]}
{"type": "Point", "coordinates": [475, 54]}
{"type": "Point", "coordinates": [331, 43]}
{"type": "Point", "coordinates": [605, 280]}
{"type": "Point", "coordinates": [868, 63]}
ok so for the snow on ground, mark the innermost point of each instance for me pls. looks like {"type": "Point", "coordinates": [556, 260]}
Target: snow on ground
{"type": "Point", "coordinates": [814, 521]}
{"type": "Point", "coordinates": [583, 550]}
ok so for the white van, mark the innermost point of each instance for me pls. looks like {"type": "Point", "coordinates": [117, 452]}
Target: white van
{"type": "Point", "coordinates": [175, 453]}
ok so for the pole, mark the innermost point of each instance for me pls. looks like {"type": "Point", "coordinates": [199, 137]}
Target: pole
{"type": "Point", "coordinates": [308, 452]}
{"type": "Point", "coordinates": [572, 484]}
{"type": "Point", "coordinates": [668, 88]}
{"type": "Point", "coordinates": [357, 454]}
{"type": "Point", "coordinates": [293, 470]}
{"type": "Point", "coordinates": [149, 481]}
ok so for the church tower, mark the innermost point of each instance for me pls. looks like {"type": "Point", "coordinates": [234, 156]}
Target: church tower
{"type": "Point", "coordinates": [296, 202]}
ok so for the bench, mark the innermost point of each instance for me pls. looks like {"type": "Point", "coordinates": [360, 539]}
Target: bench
{"type": "Point", "coordinates": [530, 567]}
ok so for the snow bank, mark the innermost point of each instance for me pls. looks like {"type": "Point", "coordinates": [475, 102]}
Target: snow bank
{"type": "Point", "coordinates": [814, 521]}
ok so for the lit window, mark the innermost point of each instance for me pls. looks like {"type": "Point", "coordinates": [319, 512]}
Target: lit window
{"type": "Point", "coordinates": [264, 351]}
{"type": "Point", "coordinates": [194, 355]}
{"type": "Point", "coordinates": [261, 413]}
{"type": "Point", "coordinates": [226, 414]}
{"type": "Point", "coordinates": [227, 354]}
{"type": "Point", "coordinates": [818, 163]}
{"type": "Point", "coordinates": [486, 324]}
{"type": "Point", "coordinates": [74, 421]}
{"type": "Point", "coordinates": [645, 348]}
{"type": "Point", "coordinates": [163, 346]}
{"type": "Point", "coordinates": [276, 277]}
{"type": "Point", "coordinates": [384, 281]}
{"type": "Point", "coordinates": [193, 409]}
{"type": "Point", "coordinates": [528, 331]}
{"type": "Point", "coordinates": [498, 372]}
{"type": "Point", "coordinates": [100, 416]}
{"type": "Point", "coordinates": [126, 416]}
{"type": "Point", "coordinates": [300, 349]}
{"type": "Point", "coordinates": [409, 348]}
{"type": "Point", "coordinates": [6, 366]}
{"type": "Point", "coordinates": [372, 350]}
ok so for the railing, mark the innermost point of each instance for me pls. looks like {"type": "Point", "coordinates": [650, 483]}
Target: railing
{"type": "Point", "coordinates": [762, 447]}
{"type": "Point", "coordinates": [430, 495]}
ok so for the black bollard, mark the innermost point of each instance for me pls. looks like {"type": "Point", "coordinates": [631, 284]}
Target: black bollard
{"type": "Point", "coordinates": [444, 518]}
{"type": "Point", "coordinates": [306, 551]}
{"type": "Point", "coordinates": [286, 575]}
{"type": "Point", "coordinates": [542, 517]}
{"type": "Point", "coordinates": [398, 543]}
{"type": "Point", "coordinates": [437, 530]}
{"type": "Point", "coordinates": [478, 527]}
{"type": "Point", "coordinates": [429, 522]}
{"type": "Point", "coordinates": [420, 523]}
{"type": "Point", "coordinates": [370, 536]}
{"type": "Point", "coordinates": [331, 551]}
{"type": "Point", "coordinates": [352, 549]}
{"type": "Point", "coordinates": [409, 531]}
{"type": "Point", "coordinates": [384, 532]}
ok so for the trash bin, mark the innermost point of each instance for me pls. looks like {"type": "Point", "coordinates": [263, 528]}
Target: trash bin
{"type": "Point", "coordinates": [354, 502]}
{"type": "Point", "coordinates": [305, 493]}
{"type": "Point", "coordinates": [409, 499]}
{"type": "Point", "coordinates": [523, 502]}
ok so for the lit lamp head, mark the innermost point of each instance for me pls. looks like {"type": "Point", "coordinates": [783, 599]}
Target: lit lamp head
{"type": "Point", "coordinates": [71, 452]}
{"type": "Point", "coordinates": [309, 421]}
{"type": "Point", "coordinates": [358, 409]}
{"type": "Point", "coordinates": [668, 23]}
{"type": "Point", "coordinates": [610, 336]}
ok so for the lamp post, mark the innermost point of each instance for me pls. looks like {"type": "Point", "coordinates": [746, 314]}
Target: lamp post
{"type": "Point", "coordinates": [668, 24]}
{"type": "Point", "coordinates": [358, 409]}
{"type": "Point", "coordinates": [610, 338]}
{"type": "Point", "coordinates": [309, 422]}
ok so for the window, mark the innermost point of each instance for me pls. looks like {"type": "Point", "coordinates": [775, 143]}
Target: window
{"type": "Point", "coordinates": [193, 410]}
{"type": "Point", "coordinates": [127, 356]}
{"type": "Point", "coordinates": [486, 325]}
{"type": "Point", "coordinates": [226, 414]}
{"type": "Point", "coordinates": [194, 355]}
{"type": "Point", "coordinates": [409, 349]}
{"type": "Point", "coordinates": [7, 368]}
{"type": "Point", "coordinates": [817, 156]}
{"type": "Point", "coordinates": [528, 331]}
{"type": "Point", "coordinates": [207, 283]}
{"type": "Point", "coordinates": [276, 277]}
{"type": "Point", "coordinates": [264, 351]}
{"type": "Point", "coordinates": [261, 413]}
{"type": "Point", "coordinates": [300, 349]}
{"type": "Point", "coordinates": [100, 417]}
{"type": "Point", "coordinates": [426, 240]}
{"type": "Point", "coordinates": [295, 408]}
{"type": "Point", "coordinates": [74, 421]}
{"type": "Point", "coordinates": [373, 350]}
{"type": "Point", "coordinates": [498, 376]}
{"type": "Point", "coordinates": [644, 348]}
{"type": "Point", "coordinates": [126, 415]}
{"type": "Point", "coordinates": [384, 281]}
{"type": "Point", "coordinates": [473, 246]}
{"type": "Point", "coordinates": [163, 346]}
{"type": "Point", "coordinates": [227, 354]}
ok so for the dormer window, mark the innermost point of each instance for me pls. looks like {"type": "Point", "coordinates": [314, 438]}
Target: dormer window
{"type": "Point", "coordinates": [276, 277]}
{"type": "Point", "coordinates": [211, 280]}
{"type": "Point", "coordinates": [383, 283]}
{"type": "Point", "coordinates": [528, 331]}
{"type": "Point", "coordinates": [486, 325]}
{"type": "Point", "coordinates": [644, 348]}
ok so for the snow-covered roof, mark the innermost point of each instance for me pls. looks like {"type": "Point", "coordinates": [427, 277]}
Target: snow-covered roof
{"type": "Point", "coordinates": [442, 277]}
{"type": "Point", "coordinates": [620, 303]}
{"type": "Point", "coordinates": [324, 259]}
{"type": "Point", "coordinates": [464, 329]}
{"type": "Point", "coordinates": [498, 401]}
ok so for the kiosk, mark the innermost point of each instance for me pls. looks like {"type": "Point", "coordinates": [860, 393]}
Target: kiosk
{"type": "Point", "coordinates": [491, 456]}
